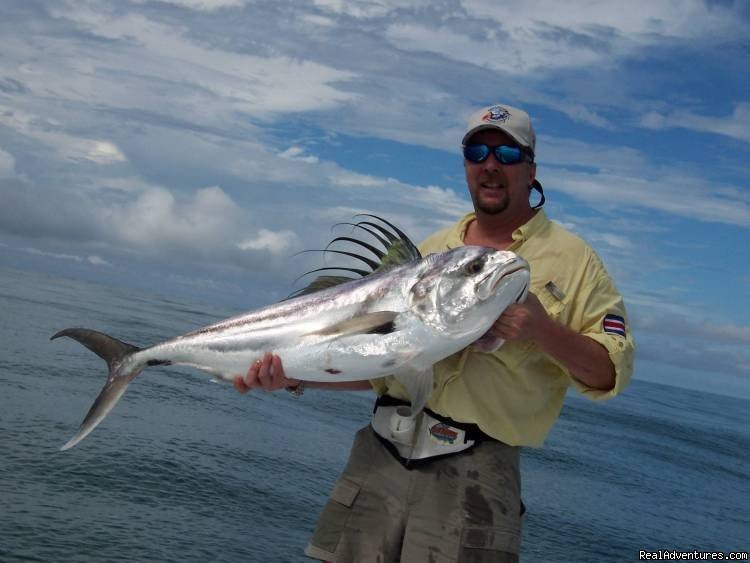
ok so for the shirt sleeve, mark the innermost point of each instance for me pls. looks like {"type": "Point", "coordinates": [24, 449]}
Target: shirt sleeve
{"type": "Point", "coordinates": [605, 320]}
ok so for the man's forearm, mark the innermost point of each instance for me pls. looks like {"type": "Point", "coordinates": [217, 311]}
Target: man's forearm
{"type": "Point", "coordinates": [586, 359]}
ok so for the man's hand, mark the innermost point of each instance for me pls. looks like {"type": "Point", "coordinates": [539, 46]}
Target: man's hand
{"type": "Point", "coordinates": [586, 359]}
{"type": "Point", "coordinates": [522, 321]}
{"type": "Point", "coordinates": [267, 374]}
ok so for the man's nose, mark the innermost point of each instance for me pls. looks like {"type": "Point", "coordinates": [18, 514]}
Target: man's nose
{"type": "Point", "coordinates": [492, 163]}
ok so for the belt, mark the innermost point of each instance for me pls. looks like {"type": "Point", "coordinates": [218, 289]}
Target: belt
{"type": "Point", "coordinates": [427, 436]}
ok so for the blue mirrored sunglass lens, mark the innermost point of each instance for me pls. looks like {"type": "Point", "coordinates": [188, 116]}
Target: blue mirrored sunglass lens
{"type": "Point", "coordinates": [508, 155]}
{"type": "Point", "coordinates": [476, 153]}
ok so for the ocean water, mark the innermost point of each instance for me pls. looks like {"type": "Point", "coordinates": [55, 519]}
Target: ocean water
{"type": "Point", "coordinates": [187, 470]}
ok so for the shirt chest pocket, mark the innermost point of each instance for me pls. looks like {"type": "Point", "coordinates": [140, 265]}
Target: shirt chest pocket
{"type": "Point", "coordinates": [554, 299]}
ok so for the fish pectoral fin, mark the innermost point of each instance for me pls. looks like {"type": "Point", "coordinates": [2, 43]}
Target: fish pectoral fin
{"type": "Point", "coordinates": [379, 322]}
{"type": "Point", "coordinates": [419, 385]}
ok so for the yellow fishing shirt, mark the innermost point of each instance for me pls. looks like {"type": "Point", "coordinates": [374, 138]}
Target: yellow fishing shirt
{"type": "Point", "coordinates": [515, 394]}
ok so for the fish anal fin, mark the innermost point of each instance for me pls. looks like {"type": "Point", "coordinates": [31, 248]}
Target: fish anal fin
{"type": "Point", "coordinates": [378, 322]}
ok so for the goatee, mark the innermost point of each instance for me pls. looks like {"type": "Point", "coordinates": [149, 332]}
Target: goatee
{"type": "Point", "coordinates": [491, 209]}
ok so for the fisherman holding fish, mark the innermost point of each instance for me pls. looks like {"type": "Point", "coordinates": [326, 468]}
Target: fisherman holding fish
{"type": "Point", "coordinates": [459, 499]}
{"type": "Point", "coordinates": [469, 341]}
{"type": "Point", "coordinates": [482, 330]}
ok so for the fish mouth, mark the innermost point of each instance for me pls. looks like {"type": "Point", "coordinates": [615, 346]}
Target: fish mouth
{"type": "Point", "coordinates": [489, 284]}
{"type": "Point", "coordinates": [506, 273]}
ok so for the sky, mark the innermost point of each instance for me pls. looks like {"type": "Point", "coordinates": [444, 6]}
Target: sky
{"type": "Point", "coordinates": [193, 147]}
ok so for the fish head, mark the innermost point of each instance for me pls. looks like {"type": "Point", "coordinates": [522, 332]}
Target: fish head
{"type": "Point", "coordinates": [463, 291]}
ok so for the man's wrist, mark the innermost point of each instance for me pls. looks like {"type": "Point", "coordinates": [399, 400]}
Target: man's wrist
{"type": "Point", "coordinates": [548, 331]}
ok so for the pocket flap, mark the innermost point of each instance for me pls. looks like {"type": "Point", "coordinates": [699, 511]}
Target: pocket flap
{"type": "Point", "coordinates": [345, 492]}
{"type": "Point", "coordinates": [553, 298]}
{"type": "Point", "coordinates": [497, 539]}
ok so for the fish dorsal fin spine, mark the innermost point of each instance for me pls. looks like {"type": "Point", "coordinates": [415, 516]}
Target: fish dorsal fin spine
{"type": "Point", "coordinates": [397, 249]}
{"type": "Point", "coordinates": [322, 282]}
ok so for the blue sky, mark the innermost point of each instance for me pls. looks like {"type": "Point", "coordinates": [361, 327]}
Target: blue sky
{"type": "Point", "coordinates": [191, 147]}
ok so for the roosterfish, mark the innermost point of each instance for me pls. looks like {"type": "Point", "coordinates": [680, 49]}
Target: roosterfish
{"type": "Point", "coordinates": [398, 317]}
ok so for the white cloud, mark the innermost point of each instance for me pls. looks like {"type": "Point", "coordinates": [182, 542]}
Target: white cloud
{"type": "Point", "coordinates": [7, 164]}
{"type": "Point", "coordinates": [563, 151]}
{"type": "Point", "coordinates": [97, 261]}
{"type": "Point", "coordinates": [143, 105]}
{"type": "Point", "coordinates": [158, 222]}
{"type": "Point", "coordinates": [252, 84]}
{"type": "Point", "coordinates": [298, 153]}
{"type": "Point", "coordinates": [377, 191]}
{"type": "Point", "coordinates": [482, 47]}
{"type": "Point", "coordinates": [318, 21]}
{"type": "Point", "coordinates": [201, 5]}
{"type": "Point", "coordinates": [736, 125]}
{"type": "Point", "coordinates": [614, 240]}
{"type": "Point", "coordinates": [93, 259]}
{"type": "Point", "coordinates": [607, 176]}
{"type": "Point", "coordinates": [125, 184]}
{"type": "Point", "coordinates": [366, 9]}
{"type": "Point", "coordinates": [707, 330]}
{"type": "Point", "coordinates": [104, 152]}
{"type": "Point", "coordinates": [50, 132]}
{"type": "Point", "coordinates": [526, 37]}
{"type": "Point", "coordinates": [274, 242]}
{"type": "Point", "coordinates": [55, 255]}
{"type": "Point", "coordinates": [76, 149]}
{"type": "Point", "coordinates": [349, 178]}
{"type": "Point", "coordinates": [642, 19]}
{"type": "Point", "coordinates": [679, 337]}
{"type": "Point", "coordinates": [668, 192]}
{"type": "Point", "coordinates": [272, 190]}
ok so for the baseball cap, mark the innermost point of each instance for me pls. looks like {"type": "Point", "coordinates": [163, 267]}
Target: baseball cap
{"type": "Point", "coordinates": [512, 121]}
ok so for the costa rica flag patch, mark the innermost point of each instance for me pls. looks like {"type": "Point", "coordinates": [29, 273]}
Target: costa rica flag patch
{"type": "Point", "coordinates": [614, 324]}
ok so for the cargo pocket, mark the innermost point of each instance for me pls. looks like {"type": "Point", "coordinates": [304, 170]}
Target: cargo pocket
{"type": "Point", "coordinates": [335, 515]}
{"type": "Point", "coordinates": [480, 544]}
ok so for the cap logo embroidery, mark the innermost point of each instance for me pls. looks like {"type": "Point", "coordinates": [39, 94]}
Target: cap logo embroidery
{"type": "Point", "coordinates": [496, 113]}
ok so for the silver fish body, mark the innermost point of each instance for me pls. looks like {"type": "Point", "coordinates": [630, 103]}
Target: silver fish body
{"type": "Point", "coordinates": [399, 321]}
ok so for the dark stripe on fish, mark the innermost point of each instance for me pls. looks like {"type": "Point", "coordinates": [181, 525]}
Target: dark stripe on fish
{"type": "Point", "coordinates": [379, 284]}
{"type": "Point", "coordinates": [385, 328]}
{"type": "Point", "coordinates": [238, 345]}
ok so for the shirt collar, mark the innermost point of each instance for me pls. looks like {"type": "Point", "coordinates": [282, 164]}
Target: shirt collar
{"type": "Point", "coordinates": [521, 234]}
{"type": "Point", "coordinates": [531, 227]}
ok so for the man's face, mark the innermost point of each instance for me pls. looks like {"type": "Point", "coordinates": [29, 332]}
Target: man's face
{"type": "Point", "coordinates": [495, 187]}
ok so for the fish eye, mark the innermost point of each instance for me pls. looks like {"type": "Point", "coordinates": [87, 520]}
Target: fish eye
{"type": "Point", "coordinates": [475, 266]}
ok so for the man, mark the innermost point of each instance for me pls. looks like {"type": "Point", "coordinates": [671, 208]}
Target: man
{"type": "Point", "coordinates": [572, 330]}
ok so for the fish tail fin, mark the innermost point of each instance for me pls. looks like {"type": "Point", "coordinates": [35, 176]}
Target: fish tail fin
{"type": "Point", "coordinates": [114, 352]}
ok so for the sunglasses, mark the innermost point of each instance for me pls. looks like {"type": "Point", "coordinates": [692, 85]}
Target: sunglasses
{"type": "Point", "coordinates": [503, 153]}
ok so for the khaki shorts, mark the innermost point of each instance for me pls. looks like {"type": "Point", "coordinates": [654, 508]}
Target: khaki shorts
{"type": "Point", "coordinates": [459, 508]}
